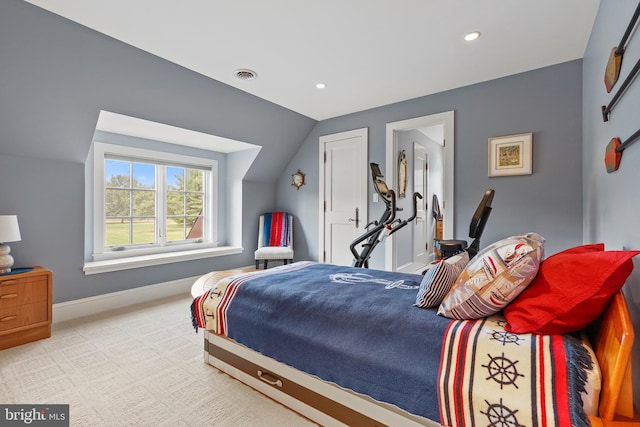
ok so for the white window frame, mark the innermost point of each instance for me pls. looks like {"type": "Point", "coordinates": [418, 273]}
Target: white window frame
{"type": "Point", "coordinates": [186, 249]}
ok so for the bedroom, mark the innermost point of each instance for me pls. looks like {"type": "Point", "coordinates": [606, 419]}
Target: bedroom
{"type": "Point", "coordinates": [49, 111]}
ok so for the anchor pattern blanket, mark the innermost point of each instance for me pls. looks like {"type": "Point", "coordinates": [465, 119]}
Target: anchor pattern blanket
{"type": "Point", "coordinates": [360, 329]}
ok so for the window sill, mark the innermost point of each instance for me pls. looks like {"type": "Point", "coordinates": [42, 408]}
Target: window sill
{"type": "Point", "coordinates": [97, 267]}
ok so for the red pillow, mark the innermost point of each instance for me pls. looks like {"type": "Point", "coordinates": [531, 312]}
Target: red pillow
{"type": "Point", "coordinates": [594, 247]}
{"type": "Point", "coordinates": [571, 290]}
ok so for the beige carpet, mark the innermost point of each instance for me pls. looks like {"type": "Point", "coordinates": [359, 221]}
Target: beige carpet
{"type": "Point", "coordinates": [141, 366]}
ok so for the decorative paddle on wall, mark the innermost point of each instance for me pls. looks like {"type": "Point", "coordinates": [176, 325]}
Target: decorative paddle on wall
{"type": "Point", "coordinates": [607, 110]}
{"type": "Point", "coordinates": [615, 59]}
{"type": "Point", "coordinates": [613, 154]}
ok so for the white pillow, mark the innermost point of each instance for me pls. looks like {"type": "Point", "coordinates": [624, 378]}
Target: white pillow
{"type": "Point", "coordinates": [494, 277]}
{"type": "Point", "coordinates": [438, 280]}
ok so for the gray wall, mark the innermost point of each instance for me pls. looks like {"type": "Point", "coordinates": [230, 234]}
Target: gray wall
{"type": "Point", "coordinates": [547, 102]}
{"type": "Point", "coordinates": [55, 77]}
{"type": "Point", "coordinates": [612, 201]}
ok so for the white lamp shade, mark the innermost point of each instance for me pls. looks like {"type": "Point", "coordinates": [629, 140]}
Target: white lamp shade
{"type": "Point", "coordinates": [9, 230]}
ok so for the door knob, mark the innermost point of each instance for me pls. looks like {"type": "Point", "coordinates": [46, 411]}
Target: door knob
{"type": "Point", "coordinates": [357, 219]}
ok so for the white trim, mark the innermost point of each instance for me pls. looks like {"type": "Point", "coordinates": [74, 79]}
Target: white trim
{"type": "Point", "coordinates": [447, 119]}
{"type": "Point", "coordinates": [106, 266]}
{"type": "Point", "coordinates": [102, 149]}
{"type": "Point", "coordinates": [364, 211]}
{"type": "Point", "coordinates": [92, 305]}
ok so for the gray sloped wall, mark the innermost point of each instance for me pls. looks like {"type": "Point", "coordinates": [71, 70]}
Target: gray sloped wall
{"type": "Point", "coordinates": [55, 77]}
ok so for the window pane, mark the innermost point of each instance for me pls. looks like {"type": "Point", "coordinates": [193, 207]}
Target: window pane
{"type": "Point", "coordinates": [175, 178]}
{"type": "Point", "coordinates": [194, 227]}
{"type": "Point", "coordinates": [144, 231]}
{"type": "Point", "coordinates": [117, 232]}
{"type": "Point", "coordinates": [117, 174]}
{"type": "Point", "coordinates": [175, 204]}
{"type": "Point", "coordinates": [117, 202]}
{"type": "Point", "coordinates": [144, 203]}
{"type": "Point", "coordinates": [152, 198]}
{"type": "Point", "coordinates": [194, 204]}
{"type": "Point", "coordinates": [144, 175]}
{"type": "Point", "coordinates": [195, 179]}
{"type": "Point", "coordinates": [175, 229]}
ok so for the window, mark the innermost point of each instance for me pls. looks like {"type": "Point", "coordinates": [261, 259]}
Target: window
{"type": "Point", "coordinates": [148, 202]}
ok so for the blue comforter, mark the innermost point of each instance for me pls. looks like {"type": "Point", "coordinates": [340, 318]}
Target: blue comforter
{"type": "Point", "coordinates": [358, 328]}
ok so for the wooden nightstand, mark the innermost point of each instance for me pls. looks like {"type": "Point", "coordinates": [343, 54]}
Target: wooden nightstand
{"type": "Point", "coordinates": [25, 307]}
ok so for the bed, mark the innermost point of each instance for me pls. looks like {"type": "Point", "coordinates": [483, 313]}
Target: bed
{"type": "Point", "coordinates": [435, 374]}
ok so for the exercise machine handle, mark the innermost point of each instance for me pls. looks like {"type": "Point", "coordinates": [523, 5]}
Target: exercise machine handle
{"type": "Point", "coordinates": [401, 224]}
{"type": "Point", "coordinates": [416, 196]}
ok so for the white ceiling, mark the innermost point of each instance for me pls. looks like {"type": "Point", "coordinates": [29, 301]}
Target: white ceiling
{"type": "Point", "coordinates": [368, 52]}
{"type": "Point", "coordinates": [133, 126]}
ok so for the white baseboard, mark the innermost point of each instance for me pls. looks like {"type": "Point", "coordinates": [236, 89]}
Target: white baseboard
{"type": "Point", "coordinates": [87, 306]}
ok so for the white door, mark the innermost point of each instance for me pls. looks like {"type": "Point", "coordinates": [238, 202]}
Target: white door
{"type": "Point", "coordinates": [343, 194]}
{"type": "Point", "coordinates": [415, 234]}
{"type": "Point", "coordinates": [420, 229]}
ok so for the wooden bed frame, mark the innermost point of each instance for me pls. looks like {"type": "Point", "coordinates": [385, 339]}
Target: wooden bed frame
{"type": "Point", "coordinates": [328, 404]}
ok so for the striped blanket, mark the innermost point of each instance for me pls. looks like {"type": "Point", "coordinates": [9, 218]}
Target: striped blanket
{"type": "Point", "coordinates": [516, 379]}
{"type": "Point", "coordinates": [359, 329]}
{"type": "Point", "coordinates": [275, 229]}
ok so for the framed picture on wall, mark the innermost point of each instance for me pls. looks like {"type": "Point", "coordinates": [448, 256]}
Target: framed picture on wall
{"type": "Point", "coordinates": [510, 155]}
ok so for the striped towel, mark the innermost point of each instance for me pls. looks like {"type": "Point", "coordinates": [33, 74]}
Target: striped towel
{"type": "Point", "coordinates": [275, 230]}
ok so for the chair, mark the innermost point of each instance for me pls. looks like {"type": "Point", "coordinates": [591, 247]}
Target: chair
{"type": "Point", "coordinates": [275, 238]}
{"type": "Point", "coordinates": [478, 221]}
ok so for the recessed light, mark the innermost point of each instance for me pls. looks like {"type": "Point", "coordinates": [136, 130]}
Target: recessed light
{"type": "Point", "coordinates": [320, 85]}
{"type": "Point", "coordinates": [472, 36]}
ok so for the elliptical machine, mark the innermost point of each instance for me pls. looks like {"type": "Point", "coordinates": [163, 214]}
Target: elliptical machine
{"type": "Point", "coordinates": [383, 227]}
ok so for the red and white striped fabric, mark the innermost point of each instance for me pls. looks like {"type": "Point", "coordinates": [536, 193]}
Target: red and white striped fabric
{"type": "Point", "coordinates": [495, 378]}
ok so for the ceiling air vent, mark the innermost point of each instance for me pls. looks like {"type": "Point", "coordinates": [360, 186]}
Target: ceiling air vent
{"type": "Point", "coordinates": [245, 74]}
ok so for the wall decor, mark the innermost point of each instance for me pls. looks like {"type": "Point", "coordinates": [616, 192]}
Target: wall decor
{"type": "Point", "coordinates": [510, 155]}
{"type": "Point", "coordinates": [297, 179]}
{"type": "Point", "coordinates": [606, 110]}
{"type": "Point", "coordinates": [612, 71]}
{"type": "Point", "coordinates": [402, 174]}
{"type": "Point", "coordinates": [613, 153]}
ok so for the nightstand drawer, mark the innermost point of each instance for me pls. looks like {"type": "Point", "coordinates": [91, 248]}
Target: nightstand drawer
{"type": "Point", "coordinates": [15, 292]}
{"type": "Point", "coordinates": [23, 315]}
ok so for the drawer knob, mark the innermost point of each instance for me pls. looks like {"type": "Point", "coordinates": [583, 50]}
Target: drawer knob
{"type": "Point", "coordinates": [8, 318]}
{"type": "Point", "coordinates": [8, 296]}
{"type": "Point", "coordinates": [269, 379]}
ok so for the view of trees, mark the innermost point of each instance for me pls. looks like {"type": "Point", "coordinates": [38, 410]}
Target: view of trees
{"type": "Point", "coordinates": [133, 199]}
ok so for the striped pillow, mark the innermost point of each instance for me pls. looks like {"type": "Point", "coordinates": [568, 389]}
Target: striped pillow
{"type": "Point", "coordinates": [437, 281]}
{"type": "Point", "coordinates": [495, 276]}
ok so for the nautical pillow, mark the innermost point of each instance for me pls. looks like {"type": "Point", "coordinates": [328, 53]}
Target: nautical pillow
{"type": "Point", "coordinates": [494, 277]}
{"type": "Point", "coordinates": [437, 281]}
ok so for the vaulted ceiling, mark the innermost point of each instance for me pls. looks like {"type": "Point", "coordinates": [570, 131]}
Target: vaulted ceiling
{"type": "Point", "coordinates": [368, 53]}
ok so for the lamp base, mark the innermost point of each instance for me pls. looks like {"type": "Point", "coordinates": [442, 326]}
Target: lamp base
{"type": "Point", "coordinates": [6, 260]}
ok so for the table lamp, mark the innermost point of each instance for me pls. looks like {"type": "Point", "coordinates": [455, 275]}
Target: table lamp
{"type": "Point", "coordinates": [9, 232]}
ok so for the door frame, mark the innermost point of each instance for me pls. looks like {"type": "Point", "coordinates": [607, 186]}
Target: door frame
{"type": "Point", "coordinates": [446, 205]}
{"type": "Point", "coordinates": [425, 186]}
{"type": "Point", "coordinates": [363, 182]}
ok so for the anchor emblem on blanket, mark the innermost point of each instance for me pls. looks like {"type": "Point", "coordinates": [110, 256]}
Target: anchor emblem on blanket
{"type": "Point", "coordinates": [350, 278]}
